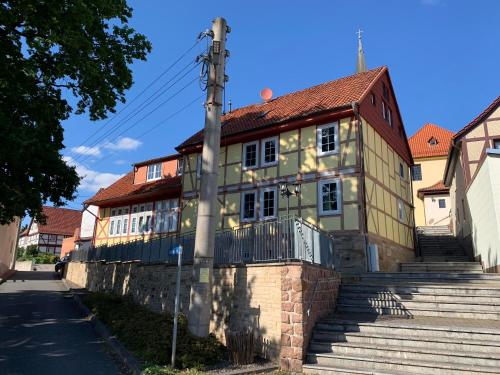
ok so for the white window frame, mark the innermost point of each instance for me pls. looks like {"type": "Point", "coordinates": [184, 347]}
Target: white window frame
{"type": "Point", "coordinates": [262, 191]}
{"type": "Point", "coordinates": [180, 166]}
{"type": "Point", "coordinates": [156, 172]}
{"type": "Point", "coordinates": [245, 145]}
{"type": "Point", "coordinates": [389, 116]}
{"type": "Point", "coordinates": [263, 151]}
{"type": "Point", "coordinates": [439, 203]}
{"type": "Point", "coordinates": [384, 113]}
{"type": "Point", "coordinates": [401, 210]}
{"type": "Point", "coordinates": [242, 206]}
{"type": "Point", "coordinates": [320, 197]}
{"type": "Point", "coordinates": [169, 211]}
{"type": "Point", "coordinates": [402, 173]}
{"type": "Point", "coordinates": [319, 145]}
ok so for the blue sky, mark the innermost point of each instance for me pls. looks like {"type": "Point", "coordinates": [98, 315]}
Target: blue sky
{"type": "Point", "coordinates": [443, 58]}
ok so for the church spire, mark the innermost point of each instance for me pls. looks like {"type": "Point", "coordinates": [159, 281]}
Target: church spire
{"type": "Point", "coordinates": [361, 64]}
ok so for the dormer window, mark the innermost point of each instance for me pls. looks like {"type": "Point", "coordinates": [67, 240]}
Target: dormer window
{"type": "Point", "coordinates": [433, 141]}
{"type": "Point", "coordinates": [154, 172]}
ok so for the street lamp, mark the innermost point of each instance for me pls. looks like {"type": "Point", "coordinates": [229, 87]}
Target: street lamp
{"type": "Point", "coordinates": [286, 192]}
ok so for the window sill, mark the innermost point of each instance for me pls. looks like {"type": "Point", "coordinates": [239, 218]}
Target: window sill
{"type": "Point", "coordinates": [273, 164]}
{"type": "Point", "coordinates": [330, 213]}
{"type": "Point", "coordinates": [249, 168]}
{"type": "Point", "coordinates": [328, 153]}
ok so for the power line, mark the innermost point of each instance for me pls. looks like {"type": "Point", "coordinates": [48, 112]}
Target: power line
{"type": "Point", "coordinates": [116, 127]}
{"type": "Point", "coordinates": [149, 113]}
{"type": "Point", "coordinates": [145, 89]}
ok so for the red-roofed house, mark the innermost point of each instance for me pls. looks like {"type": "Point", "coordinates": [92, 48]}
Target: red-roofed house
{"type": "Point", "coordinates": [60, 223]}
{"type": "Point", "coordinates": [343, 141]}
{"type": "Point", "coordinates": [429, 147]}
{"type": "Point", "coordinates": [473, 176]}
{"type": "Point", "coordinates": [142, 203]}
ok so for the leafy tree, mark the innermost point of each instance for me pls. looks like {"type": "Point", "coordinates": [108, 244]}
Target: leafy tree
{"type": "Point", "coordinates": [51, 51]}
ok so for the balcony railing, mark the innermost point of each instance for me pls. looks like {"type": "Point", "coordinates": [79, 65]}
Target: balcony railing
{"type": "Point", "coordinates": [284, 239]}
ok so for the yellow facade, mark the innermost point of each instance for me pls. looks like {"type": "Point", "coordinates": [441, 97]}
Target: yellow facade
{"type": "Point", "coordinates": [388, 195]}
{"type": "Point", "coordinates": [432, 172]}
{"type": "Point", "coordinates": [297, 155]}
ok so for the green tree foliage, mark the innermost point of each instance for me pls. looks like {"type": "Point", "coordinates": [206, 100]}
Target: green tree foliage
{"type": "Point", "coordinates": [50, 51]}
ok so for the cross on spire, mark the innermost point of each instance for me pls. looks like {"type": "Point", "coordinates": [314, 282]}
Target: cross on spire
{"type": "Point", "coordinates": [361, 64]}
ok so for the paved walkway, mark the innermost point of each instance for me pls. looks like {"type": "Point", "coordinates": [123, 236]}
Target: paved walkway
{"type": "Point", "coordinates": [42, 331]}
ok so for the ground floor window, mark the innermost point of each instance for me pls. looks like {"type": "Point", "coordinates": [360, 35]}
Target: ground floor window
{"type": "Point", "coordinates": [268, 203]}
{"type": "Point", "coordinates": [248, 205]}
{"type": "Point", "coordinates": [329, 196]}
{"type": "Point", "coordinates": [166, 214]}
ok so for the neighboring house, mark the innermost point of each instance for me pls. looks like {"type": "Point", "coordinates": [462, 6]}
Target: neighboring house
{"type": "Point", "coordinates": [429, 148]}
{"type": "Point", "coordinates": [343, 141]}
{"type": "Point", "coordinates": [143, 203]}
{"type": "Point", "coordinates": [8, 242]}
{"type": "Point", "coordinates": [473, 176]}
{"type": "Point", "coordinates": [60, 224]}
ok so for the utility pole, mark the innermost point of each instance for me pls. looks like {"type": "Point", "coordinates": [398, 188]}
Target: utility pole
{"type": "Point", "coordinates": [200, 305]}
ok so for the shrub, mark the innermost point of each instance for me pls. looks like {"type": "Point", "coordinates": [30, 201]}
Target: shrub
{"type": "Point", "coordinates": [149, 335]}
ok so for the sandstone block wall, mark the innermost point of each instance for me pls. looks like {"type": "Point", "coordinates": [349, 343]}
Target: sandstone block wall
{"type": "Point", "coordinates": [281, 302]}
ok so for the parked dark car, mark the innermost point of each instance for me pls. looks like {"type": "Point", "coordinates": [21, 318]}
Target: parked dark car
{"type": "Point", "coordinates": [60, 264]}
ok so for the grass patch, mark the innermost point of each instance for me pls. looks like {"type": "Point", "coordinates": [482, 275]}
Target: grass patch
{"type": "Point", "coordinates": [149, 335]}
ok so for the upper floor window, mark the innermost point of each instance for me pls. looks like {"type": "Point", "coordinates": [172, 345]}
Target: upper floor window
{"type": "Point", "coordinates": [180, 166]}
{"type": "Point", "coordinates": [118, 221]}
{"type": "Point", "coordinates": [389, 116]}
{"type": "Point", "coordinates": [250, 155]}
{"type": "Point", "coordinates": [373, 99]}
{"type": "Point", "coordinates": [385, 91]}
{"type": "Point", "coordinates": [268, 203]}
{"type": "Point", "coordinates": [442, 203]}
{"type": "Point", "coordinates": [327, 139]}
{"type": "Point", "coordinates": [199, 162]}
{"type": "Point", "coordinates": [329, 196]}
{"type": "Point", "coordinates": [416, 172]}
{"type": "Point", "coordinates": [269, 151]}
{"type": "Point", "coordinates": [433, 141]}
{"type": "Point", "coordinates": [401, 171]}
{"type": "Point", "coordinates": [154, 171]}
{"type": "Point", "coordinates": [496, 144]}
{"type": "Point", "coordinates": [248, 202]}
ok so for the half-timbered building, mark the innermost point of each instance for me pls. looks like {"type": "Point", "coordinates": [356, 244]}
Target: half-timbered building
{"type": "Point", "coordinates": [343, 142]}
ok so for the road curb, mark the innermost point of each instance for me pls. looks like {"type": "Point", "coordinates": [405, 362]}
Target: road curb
{"type": "Point", "coordinates": [116, 346]}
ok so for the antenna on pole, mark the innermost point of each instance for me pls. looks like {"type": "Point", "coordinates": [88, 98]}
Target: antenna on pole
{"type": "Point", "coordinates": [361, 64]}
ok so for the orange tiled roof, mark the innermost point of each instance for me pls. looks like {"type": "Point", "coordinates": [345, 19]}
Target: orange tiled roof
{"type": "Point", "coordinates": [125, 189]}
{"type": "Point", "coordinates": [59, 220]}
{"type": "Point", "coordinates": [419, 142]}
{"type": "Point", "coordinates": [438, 187]}
{"type": "Point", "coordinates": [479, 118]}
{"type": "Point", "coordinates": [328, 96]}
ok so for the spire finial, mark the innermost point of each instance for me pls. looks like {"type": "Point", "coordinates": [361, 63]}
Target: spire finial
{"type": "Point", "coordinates": [361, 64]}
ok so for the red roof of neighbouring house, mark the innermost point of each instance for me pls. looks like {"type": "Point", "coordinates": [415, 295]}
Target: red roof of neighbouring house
{"type": "Point", "coordinates": [479, 118]}
{"type": "Point", "coordinates": [420, 145]}
{"type": "Point", "coordinates": [328, 96]}
{"type": "Point", "coordinates": [437, 188]}
{"type": "Point", "coordinates": [60, 220]}
{"type": "Point", "coordinates": [125, 190]}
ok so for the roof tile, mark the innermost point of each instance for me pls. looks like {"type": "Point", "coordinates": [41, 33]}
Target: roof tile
{"type": "Point", "coordinates": [419, 142]}
{"type": "Point", "coordinates": [60, 220]}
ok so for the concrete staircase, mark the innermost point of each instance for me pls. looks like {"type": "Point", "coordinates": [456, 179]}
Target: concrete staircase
{"type": "Point", "coordinates": [437, 244]}
{"type": "Point", "coordinates": [430, 318]}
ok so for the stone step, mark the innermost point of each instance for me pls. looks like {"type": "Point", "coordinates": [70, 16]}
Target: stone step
{"type": "Point", "coordinates": [459, 267]}
{"type": "Point", "coordinates": [409, 305]}
{"type": "Point", "coordinates": [355, 370]}
{"type": "Point", "coordinates": [407, 353]}
{"type": "Point", "coordinates": [389, 339]}
{"type": "Point", "coordinates": [445, 258]}
{"type": "Point", "coordinates": [409, 313]}
{"type": "Point", "coordinates": [424, 328]}
{"type": "Point", "coordinates": [386, 286]}
{"type": "Point", "coordinates": [395, 365]}
{"type": "Point", "coordinates": [419, 297]}
{"type": "Point", "coordinates": [473, 265]}
{"type": "Point", "coordinates": [432, 277]}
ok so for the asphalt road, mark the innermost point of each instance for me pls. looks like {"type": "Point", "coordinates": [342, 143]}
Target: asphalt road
{"type": "Point", "coordinates": [43, 332]}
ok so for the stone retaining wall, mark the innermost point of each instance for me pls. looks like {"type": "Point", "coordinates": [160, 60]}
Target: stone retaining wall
{"type": "Point", "coordinates": [280, 301]}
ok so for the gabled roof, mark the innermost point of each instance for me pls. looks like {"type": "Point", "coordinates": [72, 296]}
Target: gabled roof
{"type": "Point", "coordinates": [419, 142]}
{"type": "Point", "coordinates": [479, 118]}
{"type": "Point", "coordinates": [124, 190]}
{"type": "Point", "coordinates": [437, 188]}
{"type": "Point", "coordinates": [157, 160]}
{"type": "Point", "coordinates": [326, 97]}
{"type": "Point", "coordinates": [60, 220]}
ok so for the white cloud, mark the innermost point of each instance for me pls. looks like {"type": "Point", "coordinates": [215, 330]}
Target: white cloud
{"type": "Point", "coordinates": [84, 150]}
{"type": "Point", "coordinates": [120, 162]}
{"type": "Point", "coordinates": [92, 180]}
{"type": "Point", "coordinates": [124, 143]}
